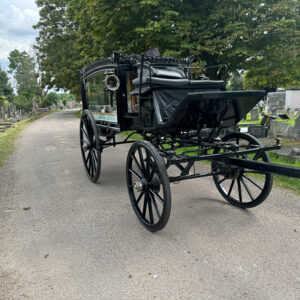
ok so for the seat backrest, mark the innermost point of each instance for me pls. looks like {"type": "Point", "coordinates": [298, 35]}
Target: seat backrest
{"type": "Point", "coordinates": [156, 71]}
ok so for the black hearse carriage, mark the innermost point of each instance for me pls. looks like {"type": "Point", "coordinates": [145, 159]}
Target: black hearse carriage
{"type": "Point", "coordinates": [179, 121]}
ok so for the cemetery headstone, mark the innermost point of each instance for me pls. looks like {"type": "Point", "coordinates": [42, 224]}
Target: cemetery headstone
{"type": "Point", "coordinates": [279, 129]}
{"type": "Point", "coordinates": [276, 101]}
{"type": "Point", "coordinates": [254, 114]}
{"type": "Point", "coordinates": [34, 105]}
{"type": "Point", "coordinates": [258, 131]}
{"type": "Point", "coordinates": [295, 152]}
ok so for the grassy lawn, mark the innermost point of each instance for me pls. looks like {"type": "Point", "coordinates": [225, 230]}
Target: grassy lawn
{"type": "Point", "coordinates": [284, 181]}
{"type": "Point", "coordinates": [248, 120]}
{"type": "Point", "coordinates": [78, 114]}
{"type": "Point", "coordinates": [8, 138]}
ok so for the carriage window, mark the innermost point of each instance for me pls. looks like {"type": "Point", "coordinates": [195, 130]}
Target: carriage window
{"type": "Point", "coordinates": [101, 102]}
{"type": "Point", "coordinates": [132, 100]}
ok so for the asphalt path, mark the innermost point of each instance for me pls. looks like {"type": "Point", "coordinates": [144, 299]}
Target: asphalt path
{"type": "Point", "coordinates": [79, 240]}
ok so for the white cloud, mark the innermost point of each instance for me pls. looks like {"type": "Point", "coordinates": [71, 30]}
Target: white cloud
{"type": "Point", "coordinates": [16, 20]}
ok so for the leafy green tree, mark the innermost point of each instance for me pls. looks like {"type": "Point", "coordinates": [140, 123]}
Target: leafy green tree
{"type": "Point", "coordinates": [23, 102]}
{"type": "Point", "coordinates": [236, 82]}
{"type": "Point", "coordinates": [59, 59]}
{"type": "Point", "coordinates": [246, 35]}
{"type": "Point", "coordinates": [22, 66]}
{"type": "Point", "coordinates": [25, 72]}
{"type": "Point", "coordinates": [50, 99]}
{"type": "Point", "coordinates": [2, 99]}
{"type": "Point", "coordinates": [65, 96]}
{"type": "Point", "coordinates": [5, 87]}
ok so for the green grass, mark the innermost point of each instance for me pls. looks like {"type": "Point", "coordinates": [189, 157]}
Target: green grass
{"type": "Point", "coordinates": [291, 121]}
{"type": "Point", "coordinates": [284, 181]}
{"type": "Point", "coordinates": [8, 138]}
{"type": "Point", "coordinates": [249, 121]}
{"type": "Point", "coordinates": [78, 114]}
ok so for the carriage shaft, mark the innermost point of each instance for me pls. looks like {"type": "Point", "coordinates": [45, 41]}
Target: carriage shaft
{"type": "Point", "coordinates": [263, 167]}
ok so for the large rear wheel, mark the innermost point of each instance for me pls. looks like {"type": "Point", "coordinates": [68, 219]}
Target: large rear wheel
{"type": "Point", "coordinates": [148, 185]}
{"type": "Point", "coordinates": [243, 187]}
{"type": "Point", "coordinates": [90, 145]}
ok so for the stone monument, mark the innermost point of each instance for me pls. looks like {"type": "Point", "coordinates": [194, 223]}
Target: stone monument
{"type": "Point", "coordinates": [34, 106]}
{"type": "Point", "coordinates": [254, 114]}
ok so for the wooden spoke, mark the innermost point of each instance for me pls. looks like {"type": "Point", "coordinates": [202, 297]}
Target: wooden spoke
{"type": "Point", "coordinates": [156, 196]}
{"type": "Point", "coordinates": [254, 183]}
{"type": "Point", "coordinates": [139, 197]}
{"type": "Point", "coordinates": [222, 180]}
{"type": "Point", "coordinates": [231, 187]}
{"type": "Point", "coordinates": [138, 165]}
{"type": "Point", "coordinates": [142, 160]}
{"type": "Point", "coordinates": [240, 190]}
{"type": "Point", "coordinates": [257, 156]}
{"type": "Point", "coordinates": [150, 209]}
{"type": "Point", "coordinates": [135, 174]}
{"type": "Point", "coordinates": [152, 172]}
{"type": "Point", "coordinates": [86, 135]}
{"type": "Point", "coordinates": [147, 167]}
{"type": "Point", "coordinates": [145, 206]}
{"type": "Point", "coordinates": [247, 189]}
{"type": "Point", "coordinates": [155, 206]}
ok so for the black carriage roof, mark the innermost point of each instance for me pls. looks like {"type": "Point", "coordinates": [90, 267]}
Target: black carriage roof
{"type": "Point", "coordinates": [118, 59]}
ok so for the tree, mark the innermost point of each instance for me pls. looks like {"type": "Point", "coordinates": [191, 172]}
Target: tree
{"type": "Point", "coordinates": [5, 88]}
{"type": "Point", "coordinates": [50, 99]}
{"type": "Point", "coordinates": [59, 59]}
{"type": "Point", "coordinates": [26, 74]}
{"type": "Point", "coordinates": [236, 82]}
{"type": "Point", "coordinates": [22, 66]}
{"type": "Point", "coordinates": [23, 102]}
{"type": "Point", "coordinates": [245, 35]}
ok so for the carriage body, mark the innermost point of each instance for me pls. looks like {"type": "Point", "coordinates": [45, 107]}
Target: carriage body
{"type": "Point", "coordinates": [160, 96]}
{"type": "Point", "coordinates": [179, 120]}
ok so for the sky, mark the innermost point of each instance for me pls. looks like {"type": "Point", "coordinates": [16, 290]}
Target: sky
{"type": "Point", "coordinates": [16, 20]}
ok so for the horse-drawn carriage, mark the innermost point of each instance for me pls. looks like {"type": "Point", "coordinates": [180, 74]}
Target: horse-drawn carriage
{"type": "Point", "coordinates": [179, 121]}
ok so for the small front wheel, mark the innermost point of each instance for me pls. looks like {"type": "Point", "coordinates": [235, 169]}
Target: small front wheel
{"type": "Point", "coordinates": [148, 185]}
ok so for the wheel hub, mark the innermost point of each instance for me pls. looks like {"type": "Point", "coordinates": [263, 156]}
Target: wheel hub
{"type": "Point", "coordinates": [138, 186]}
{"type": "Point", "coordinates": [230, 172]}
{"type": "Point", "coordinates": [86, 145]}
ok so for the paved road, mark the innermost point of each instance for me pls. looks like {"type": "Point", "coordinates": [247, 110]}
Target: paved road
{"type": "Point", "coordinates": [81, 240]}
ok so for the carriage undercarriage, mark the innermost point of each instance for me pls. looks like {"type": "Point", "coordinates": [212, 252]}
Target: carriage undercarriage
{"type": "Point", "coordinates": [168, 150]}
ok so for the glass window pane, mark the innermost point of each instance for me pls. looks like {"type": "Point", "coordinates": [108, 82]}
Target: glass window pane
{"type": "Point", "coordinates": [132, 100]}
{"type": "Point", "coordinates": [101, 101]}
